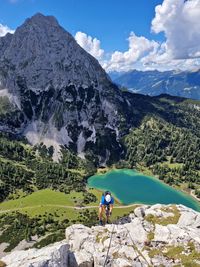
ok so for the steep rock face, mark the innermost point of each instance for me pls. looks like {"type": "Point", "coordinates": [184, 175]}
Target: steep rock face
{"type": "Point", "coordinates": [61, 93]}
{"type": "Point", "coordinates": [151, 236]}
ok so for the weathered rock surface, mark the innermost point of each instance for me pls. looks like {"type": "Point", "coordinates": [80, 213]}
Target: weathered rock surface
{"type": "Point", "coordinates": [55, 255]}
{"type": "Point", "coordinates": [60, 94]}
{"type": "Point", "coordinates": [152, 235]}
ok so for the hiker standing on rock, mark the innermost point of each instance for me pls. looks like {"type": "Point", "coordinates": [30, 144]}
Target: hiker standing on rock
{"type": "Point", "coordinates": [106, 205]}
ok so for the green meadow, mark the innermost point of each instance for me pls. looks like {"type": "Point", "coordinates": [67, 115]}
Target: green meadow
{"type": "Point", "coordinates": [60, 205]}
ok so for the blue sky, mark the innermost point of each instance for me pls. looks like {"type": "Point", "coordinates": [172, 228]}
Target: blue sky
{"type": "Point", "coordinates": [122, 35]}
{"type": "Point", "coordinates": [108, 20]}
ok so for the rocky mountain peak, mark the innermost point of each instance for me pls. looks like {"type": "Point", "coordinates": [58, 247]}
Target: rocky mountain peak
{"type": "Point", "coordinates": [64, 95]}
{"type": "Point", "coordinates": [40, 46]}
{"type": "Point", "coordinates": [40, 19]}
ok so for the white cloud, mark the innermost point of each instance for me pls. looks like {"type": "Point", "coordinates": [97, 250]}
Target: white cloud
{"type": "Point", "coordinates": [139, 47]}
{"type": "Point", "coordinates": [180, 22]}
{"type": "Point", "coordinates": [4, 30]}
{"type": "Point", "coordinates": [162, 60]}
{"type": "Point", "coordinates": [141, 54]}
{"type": "Point", "coordinates": [91, 45]}
{"type": "Point", "coordinates": [162, 63]}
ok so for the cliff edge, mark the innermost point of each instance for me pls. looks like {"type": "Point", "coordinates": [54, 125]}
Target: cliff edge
{"type": "Point", "coordinates": [158, 235]}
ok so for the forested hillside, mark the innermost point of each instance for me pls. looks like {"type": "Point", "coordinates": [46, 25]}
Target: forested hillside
{"type": "Point", "coordinates": [29, 168]}
{"type": "Point", "coordinates": [165, 138]}
{"type": "Point", "coordinates": [171, 152]}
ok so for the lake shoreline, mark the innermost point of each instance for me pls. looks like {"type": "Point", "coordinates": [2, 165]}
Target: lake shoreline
{"type": "Point", "coordinates": [149, 173]}
{"type": "Point", "coordinates": [194, 202]}
{"type": "Point", "coordinates": [189, 193]}
{"type": "Point", "coordinates": [193, 195]}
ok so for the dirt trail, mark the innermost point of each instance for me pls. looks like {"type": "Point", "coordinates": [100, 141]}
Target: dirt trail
{"type": "Point", "coordinates": [63, 206]}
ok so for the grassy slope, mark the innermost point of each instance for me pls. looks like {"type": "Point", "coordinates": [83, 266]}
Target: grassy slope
{"type": "Point", "coordinates": [44, 202]}
{"type": "Point", "coordinates": [48, 201]}
{"type": "Point", "coordinates": [42, 197]}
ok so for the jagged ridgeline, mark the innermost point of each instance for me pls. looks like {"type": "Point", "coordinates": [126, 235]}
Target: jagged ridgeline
{"type": "Point", "coordinates": [154, 82]}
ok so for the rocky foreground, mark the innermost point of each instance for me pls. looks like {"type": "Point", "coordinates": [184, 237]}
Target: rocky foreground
{"type": "Point", "coordinates": [150, 236]}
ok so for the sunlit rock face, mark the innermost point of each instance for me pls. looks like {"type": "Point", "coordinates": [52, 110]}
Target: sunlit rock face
{"type": "Point", "coordinates": [59, 93]}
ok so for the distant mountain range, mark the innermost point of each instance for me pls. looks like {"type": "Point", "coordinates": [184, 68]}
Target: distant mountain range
{"type": "Point", "coordinates": [177, 83]}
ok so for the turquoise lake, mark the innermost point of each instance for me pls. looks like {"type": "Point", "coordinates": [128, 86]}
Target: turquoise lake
{"type": "Point", "coordinates": [130, 186]}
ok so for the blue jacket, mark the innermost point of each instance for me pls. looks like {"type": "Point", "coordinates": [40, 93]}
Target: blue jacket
{"type": "Point", "coordinates": [104, 202]}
